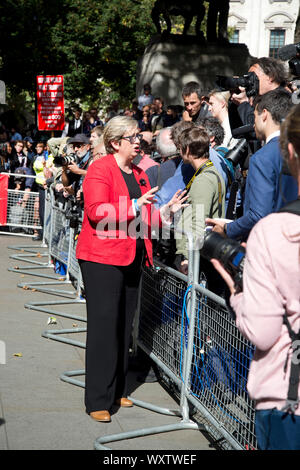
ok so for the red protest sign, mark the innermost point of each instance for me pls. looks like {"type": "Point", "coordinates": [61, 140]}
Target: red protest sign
{"type": "Point", "coordinates": [50, 102]}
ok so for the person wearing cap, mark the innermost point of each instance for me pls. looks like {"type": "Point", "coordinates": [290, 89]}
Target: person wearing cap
{"type": "Point", "coordinates": [74, 173]}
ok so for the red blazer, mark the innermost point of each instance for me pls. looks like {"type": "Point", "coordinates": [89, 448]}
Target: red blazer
{"type": "Point", "coordinates": [108, 234]}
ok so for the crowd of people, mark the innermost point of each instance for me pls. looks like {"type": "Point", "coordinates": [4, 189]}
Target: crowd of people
{"type": "Point", "coordinates": [214, 162]}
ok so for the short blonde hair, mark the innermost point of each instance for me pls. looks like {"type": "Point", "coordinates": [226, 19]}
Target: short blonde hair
{"type": "Point", "coordinates": [221, 95]}
{"type": "Point", "coordinates": [116, 128]}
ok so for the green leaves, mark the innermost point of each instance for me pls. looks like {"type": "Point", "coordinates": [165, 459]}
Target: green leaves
{"type": "Point", "coordinates": [84, 40]}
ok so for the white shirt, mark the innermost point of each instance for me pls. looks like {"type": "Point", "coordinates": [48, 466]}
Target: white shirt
{"type": "Point", "coordinates": [227, 129]}
{"type": "Point", "coordinates": [271, 136]}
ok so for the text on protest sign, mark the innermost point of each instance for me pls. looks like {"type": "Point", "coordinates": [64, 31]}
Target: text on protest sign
{"type": "Point", "coordinates": [50, 102]}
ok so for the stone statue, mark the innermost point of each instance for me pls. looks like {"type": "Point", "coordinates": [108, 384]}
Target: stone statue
{"type": "Point", "coordinates": [217, 13]}
{"type": "Point", "coordinates": [187, 9]}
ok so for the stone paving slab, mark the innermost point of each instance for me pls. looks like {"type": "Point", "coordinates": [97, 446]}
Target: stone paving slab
{"type": "Point", "coordinates": [40, 411]}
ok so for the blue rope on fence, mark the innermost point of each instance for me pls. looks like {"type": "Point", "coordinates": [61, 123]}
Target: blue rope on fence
{"type": "Point", "coordinates": [222, 356]}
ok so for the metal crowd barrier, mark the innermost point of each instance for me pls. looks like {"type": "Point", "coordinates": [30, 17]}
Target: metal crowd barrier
{"type": "Point", "coordinates": [35, 253]}
{"type": "Point", "coordinates": [61, 240]}
{"type": "Point", "coordinates": [21, 211]}
{"type": "Point", "coordinates": [220, 358]}
{"type": "Point", "coordinates": [59, 237]}
{"type": "Point", "coordinates": [196, 345]}
{"type": "Point", "coordinates": [185, 329]}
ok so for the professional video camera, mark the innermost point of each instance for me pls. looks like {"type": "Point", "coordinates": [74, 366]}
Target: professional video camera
{"type": "Point", "coordinates": [230, 254]}
{"type": "Point", "coordinates": [249, 81]}
{"type": "Point", "coordinates": [66, 158]}
{"type": "Point", "coordinates": [291, 52]}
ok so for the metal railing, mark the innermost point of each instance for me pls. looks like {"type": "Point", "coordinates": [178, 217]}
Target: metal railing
{"type": "Point", "coordinates": [184, 328]}
{"type": "Point", "coordinates": [22, 208]}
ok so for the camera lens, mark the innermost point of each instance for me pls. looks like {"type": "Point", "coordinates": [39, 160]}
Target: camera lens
{"type": "Point", "coordinates": [229, 252]}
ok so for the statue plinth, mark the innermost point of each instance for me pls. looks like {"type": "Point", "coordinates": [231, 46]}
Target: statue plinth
{"type": "Point", "coordinates": [169, 62]}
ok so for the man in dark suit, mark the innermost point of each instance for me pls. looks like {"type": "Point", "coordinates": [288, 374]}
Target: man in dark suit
{"type": "Point", "coordinates": [269, 186]}
{"type": "Point", "coordinates": [75, 125]}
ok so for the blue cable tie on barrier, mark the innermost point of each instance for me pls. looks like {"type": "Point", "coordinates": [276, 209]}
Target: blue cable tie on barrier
{"type": "Point", "coordinates": [184, 313]}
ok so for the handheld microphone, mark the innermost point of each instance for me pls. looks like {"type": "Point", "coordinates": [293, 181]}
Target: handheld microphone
{"type": "Point", "coordinates": [289, 51]}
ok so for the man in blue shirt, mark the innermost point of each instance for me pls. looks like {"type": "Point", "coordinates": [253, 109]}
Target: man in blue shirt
{"type": "Point", "coordinates": [182, 176]}
{"type": "Point", "coordinates": [146, 98]}
{"type": "Point", "coordinates": [268, 185]}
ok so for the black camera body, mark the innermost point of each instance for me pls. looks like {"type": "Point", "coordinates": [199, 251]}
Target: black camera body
{"type": "Point", "coordinates": [74, 212]}
{"type": "Point", "coordinates": [249, 81]}
{"type": "Point", "coordinates": [230, 254]}
{"type": "Point", "coordinates": [294, 65]}
{"type": "Point", "coordinates": [291, 52]}
{"type": "Point", "coordinates": [63, 159]}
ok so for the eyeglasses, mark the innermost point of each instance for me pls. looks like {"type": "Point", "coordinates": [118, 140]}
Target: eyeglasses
{"type": "Point", "coordinates": [132, 138]}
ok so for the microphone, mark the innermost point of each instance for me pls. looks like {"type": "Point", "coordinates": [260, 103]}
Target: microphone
{"type": "Point", "coordinates": [289, 51]}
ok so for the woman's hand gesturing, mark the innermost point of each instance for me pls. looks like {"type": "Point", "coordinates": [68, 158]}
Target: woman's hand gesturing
{"type": "Point", "coordinates": [148, 197]}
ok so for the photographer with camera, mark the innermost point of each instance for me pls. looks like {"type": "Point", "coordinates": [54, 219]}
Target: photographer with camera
{"type": "Point", "coordinates": [75, 165]}
{"type": "Point", "coordinates": [269, 186]}
{"type": "Point", "coordinates": [264, 75]}
{"type": "Point", "coordinates": [268, 310]}
{"type": "Point", "coordinates": [271, 74]}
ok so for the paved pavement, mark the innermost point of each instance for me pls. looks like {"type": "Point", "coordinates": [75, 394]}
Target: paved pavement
{"type": "Point", "coordinates": [38, 411]}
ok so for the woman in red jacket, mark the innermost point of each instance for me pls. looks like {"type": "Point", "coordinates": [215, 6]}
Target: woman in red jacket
{"type": "Point", "coordinates": [114, 242]}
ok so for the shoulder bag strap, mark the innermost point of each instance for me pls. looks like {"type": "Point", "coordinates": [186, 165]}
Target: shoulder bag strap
{"type": "Point", "coordinates": [292, 401]}
{"type": "Point", "coordinates": [219, 192]}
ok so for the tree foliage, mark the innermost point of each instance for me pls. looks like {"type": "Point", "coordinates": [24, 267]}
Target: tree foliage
{"type": "Point", "coordinates": [93, 43]}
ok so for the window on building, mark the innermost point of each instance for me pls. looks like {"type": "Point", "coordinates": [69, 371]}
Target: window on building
{"type": "Point", "coordinates": [235, 38]}
{"type": "Point", "coordinates": [277, 40]}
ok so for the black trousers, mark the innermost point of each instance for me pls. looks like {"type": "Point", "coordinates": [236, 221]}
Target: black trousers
{"type": "Point", "coordinates": [111, 297]}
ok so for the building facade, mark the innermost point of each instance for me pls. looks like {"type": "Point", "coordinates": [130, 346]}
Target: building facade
{"type": "Point", "coordinates": [263, 25]}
